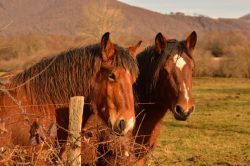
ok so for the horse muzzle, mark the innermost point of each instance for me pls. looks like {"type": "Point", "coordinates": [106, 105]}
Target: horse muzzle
{"type": "Point", "coordinates": [181, 114]}
{"type": "Point", "coordinates": [121, 127]}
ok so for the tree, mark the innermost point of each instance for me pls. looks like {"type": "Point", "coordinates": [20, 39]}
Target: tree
{"type": "Point", "coordinates": [100, 17]}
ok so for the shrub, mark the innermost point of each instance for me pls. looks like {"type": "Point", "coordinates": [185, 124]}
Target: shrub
{"type": "Point", "coordinates": [216, 50]}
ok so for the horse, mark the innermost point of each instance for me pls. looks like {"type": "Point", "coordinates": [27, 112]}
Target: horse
{"type": "Point", "coordinates": [102, 146]}
{"type": "Point", "coordinates": [165, 81]}
{"type": "Point", "coordinates": [103, 73]}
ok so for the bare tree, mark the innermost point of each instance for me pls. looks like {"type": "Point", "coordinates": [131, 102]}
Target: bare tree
{"type": "Point", "coordinates": [99, 18]}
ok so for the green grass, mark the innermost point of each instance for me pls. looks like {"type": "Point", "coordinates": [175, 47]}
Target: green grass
{"type": "Point", "coordinates": [217, 133]}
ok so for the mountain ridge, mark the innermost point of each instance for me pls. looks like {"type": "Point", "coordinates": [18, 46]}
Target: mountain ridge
{"type": "Point", "coordinates": [62, 17]}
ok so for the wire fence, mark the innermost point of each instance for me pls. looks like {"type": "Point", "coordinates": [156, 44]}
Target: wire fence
{"type": "Point", "coordinates": [99, 144]}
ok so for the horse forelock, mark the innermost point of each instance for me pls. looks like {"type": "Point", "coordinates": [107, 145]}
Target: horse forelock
{"type": "Point", "coordinates": [125, 60]}
{"type": "Point", "coordinates": [72, 73]}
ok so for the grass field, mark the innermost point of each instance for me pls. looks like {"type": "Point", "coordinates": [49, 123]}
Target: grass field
{"type": "Point", "coordinates": [217, 133]}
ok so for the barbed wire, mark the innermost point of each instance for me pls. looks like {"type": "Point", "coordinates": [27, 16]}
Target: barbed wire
{"type": "Point", "coordinates": [51, 149]}
{"type": "Point", "coordinates": [45, 150]}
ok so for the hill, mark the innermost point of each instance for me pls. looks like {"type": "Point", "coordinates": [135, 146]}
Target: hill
{"type": "Point", "coordinates": [63, 17]}
{"type": "Point", "coordinates": [245, 17]}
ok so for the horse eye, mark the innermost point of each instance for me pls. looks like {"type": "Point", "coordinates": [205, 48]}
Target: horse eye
{"type": "Point", "coordinates": [111, 77]}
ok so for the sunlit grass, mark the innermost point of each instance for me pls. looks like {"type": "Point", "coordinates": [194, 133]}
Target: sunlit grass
{"type": "Point", "coordinates": [217, 133]}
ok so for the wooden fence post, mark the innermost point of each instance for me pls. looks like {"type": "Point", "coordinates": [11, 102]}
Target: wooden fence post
{"type": "Point", "coordinates": [76, 106]}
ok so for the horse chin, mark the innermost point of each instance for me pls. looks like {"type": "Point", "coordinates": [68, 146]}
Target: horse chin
{"type": "Point", "coordinates": [180, 118]}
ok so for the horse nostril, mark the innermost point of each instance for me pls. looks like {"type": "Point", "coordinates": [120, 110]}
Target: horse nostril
{"type": "Point", "coordinates": [178, 109]}
{"type": "Point", "coordinates": [121, 125]}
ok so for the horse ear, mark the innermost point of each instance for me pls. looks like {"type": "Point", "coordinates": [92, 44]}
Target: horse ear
{"type": "Point", "coordinates": [107, 47]}
{"type": "Point", "coordinates": [191, 41]}
{"type": "Point", "coordinates": [132, 49]}
{"type": "Point", "coordinates": [160, 43]}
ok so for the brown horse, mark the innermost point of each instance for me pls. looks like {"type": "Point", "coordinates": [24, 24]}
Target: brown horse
{"type": "Point", "coordinates": [165, 80]}
{"type": "Point", "coordinates": [104, 73]}
{"type": "Point", "coordinates": [164, 83]}
{"type": "Point", "coordinates": [101, 146]}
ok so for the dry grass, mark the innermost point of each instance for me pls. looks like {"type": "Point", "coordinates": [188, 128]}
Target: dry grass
{"type": "Point", "coordinates": [229, 57]}
{"type": "Point", "coordinates": [217, 133]}
{"type": "Point", "coordinates": [99, 147]}
{"type": "Point", "coordinates": [23, 51]}
{"type": "Point", "coordinates": [223, 55]}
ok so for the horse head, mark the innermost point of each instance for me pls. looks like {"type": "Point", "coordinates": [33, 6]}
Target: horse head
{"type": "Point", "coordinates": [113, 90]}
{"type": "Point", "coordinates": [175, 75]}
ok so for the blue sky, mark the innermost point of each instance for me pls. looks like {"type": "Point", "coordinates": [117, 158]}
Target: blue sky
{"type": "Point", "coordinates": [211, 8]}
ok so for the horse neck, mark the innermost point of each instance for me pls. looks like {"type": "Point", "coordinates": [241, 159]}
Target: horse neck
{"type": "Point", "coordinates": [149, 119]}
{"type": "Point", "coordinates": [153, 107]}
{"type": "Point", "coordinates": [148, 124]}
{"type": "Point", "coordinates": [152, 111]}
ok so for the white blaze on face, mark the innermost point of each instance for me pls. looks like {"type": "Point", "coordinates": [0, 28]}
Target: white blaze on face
{"type": "Point", "coordinates": [179, 61]}
{"type": "Point", "coordinates": [186, 93]}
{"type": "Point", "coordinates": [130, 125]}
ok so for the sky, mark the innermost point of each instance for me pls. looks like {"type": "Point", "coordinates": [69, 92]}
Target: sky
{"type": "Point", "coordinates": [210, 8]}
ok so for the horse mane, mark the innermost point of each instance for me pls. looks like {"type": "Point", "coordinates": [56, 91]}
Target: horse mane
{"type": "Point", "coordinates": [150, 64]}
{"type": "Point", "coordinates": [68, 74]}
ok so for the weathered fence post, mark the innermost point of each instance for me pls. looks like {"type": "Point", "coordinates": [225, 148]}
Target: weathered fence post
{"type": "Point", "coordinates": [75, 125]}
